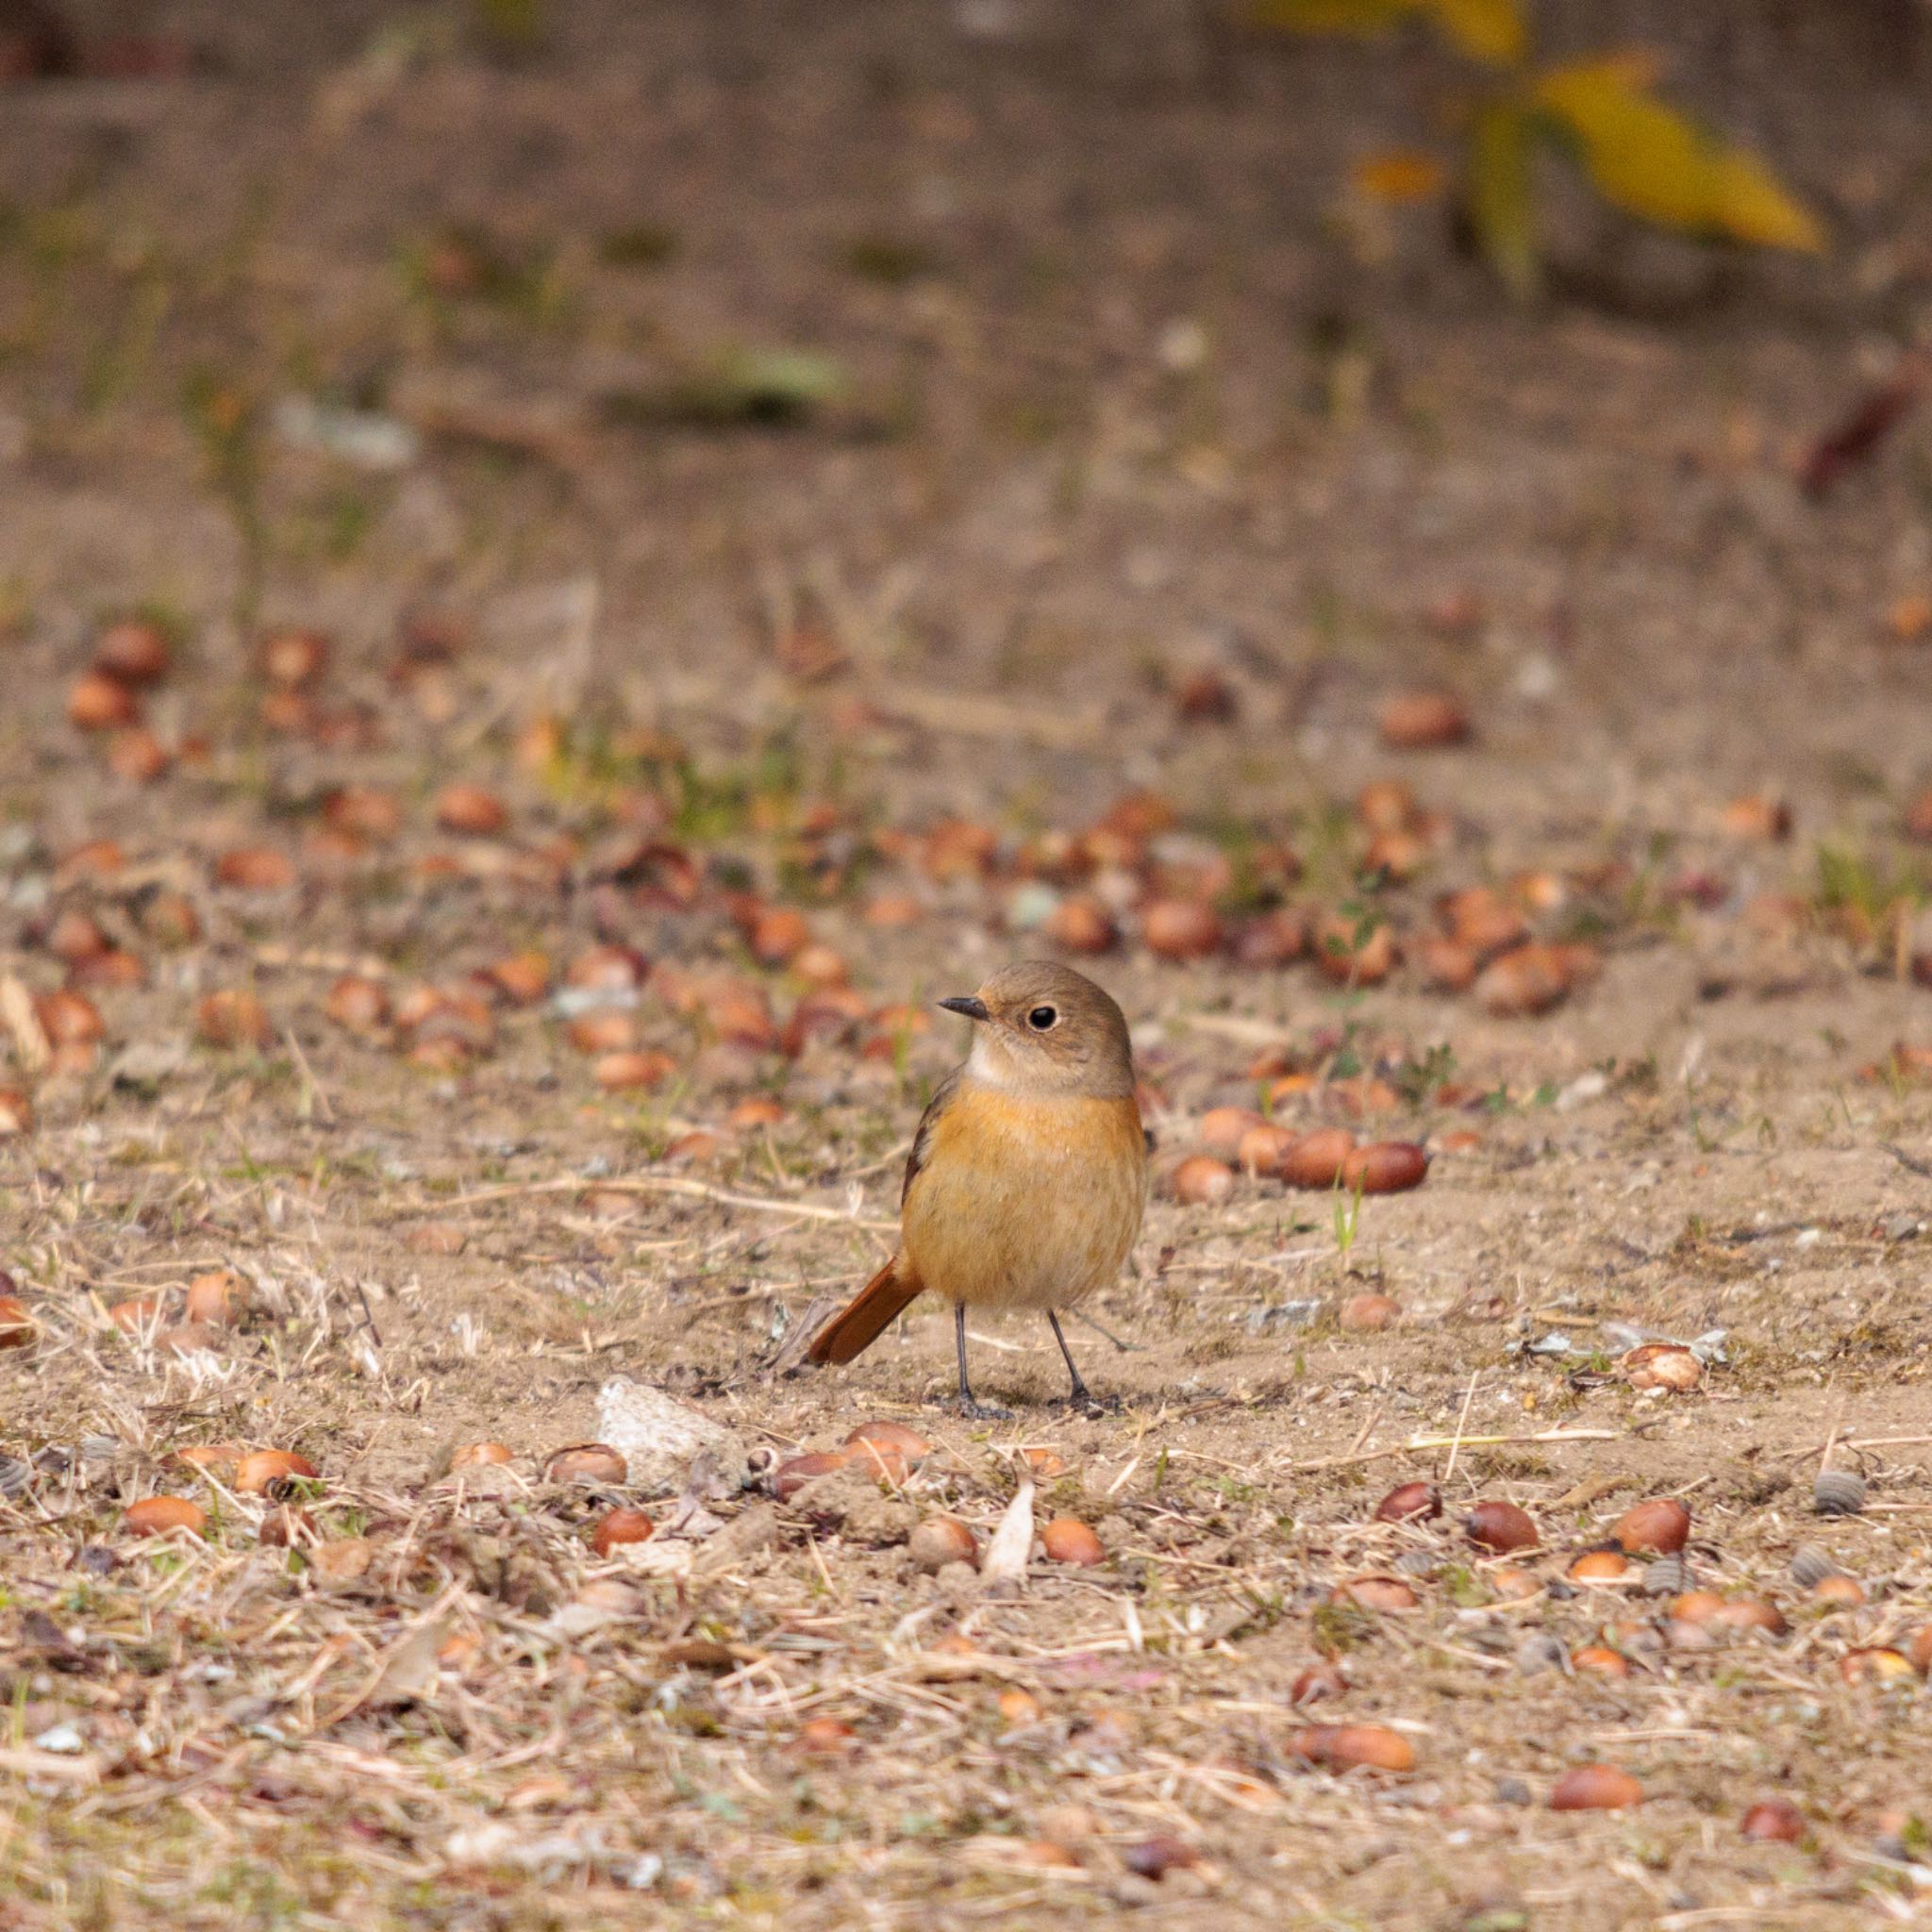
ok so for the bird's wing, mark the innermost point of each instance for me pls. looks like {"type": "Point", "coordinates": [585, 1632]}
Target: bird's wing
{"type": "Point", "coordinates": [921, 1139]}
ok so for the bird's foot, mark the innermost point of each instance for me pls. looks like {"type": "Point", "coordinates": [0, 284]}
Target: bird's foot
{"type": "Point", "coordinates": [1083, 1401]}
{"type": "Point", "coordinates": [976, 1412]}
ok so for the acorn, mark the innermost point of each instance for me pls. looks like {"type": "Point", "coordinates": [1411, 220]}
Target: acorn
{"type": "Point", "coordinates": [1500, 1527]}
{"type": "Point", "coordinates": [472, 811]}
{"type": "Point", "coordinates": [621, 1525]}
{"type": "Point", "coordinates": [939, 1541]}
{"type": "Point", "coordinates": [69, 1019]}
{"type": "Point", "coordinates": [16, 1322]}
{"type": "Point", "coordinates": [1422, 721]}
{"type": "Point", "coordinates": [1600, 1567]}
{"type": "Point", "coordinates": [620, 1072]}
{"type": "Point", "coordinates": [888, 1441]}
{"type": "Point", "coordinates": [793, 1476]}
{"type": "Point", "coordinates": [1385, 1167]}
{"type": "Point", "coordinates": [217, 1299]}
{"type": "Point", "coordinates": [16, 1112]}
{"type": "Point", "coordinates": [1200, 1181]}
{"type": "Point", "coordinates": [1447, 965]}
{"type": "Point", "coordinates": [133, 651]}
{"type": "Point", "coordinates": [1350, 1747]}
{"type": "Point", "coordinates": [605, 1030]}
{"type": "Point", "coordinates": [1600, 1659]}
{"type": "Point", "coordinates": [1385, 805]}
{"type": "Point", "coordinates": [1263, 1148]}
{"type": "Point", "coordinates": [1078, 924]}
{"type": "Point", "coordinates": [1369, 1314]}
{"type": "Point", "coordinates": [365, 811]}
{"type": "Point", "coordinates": [1271, 940]}
{"type": "Point", "coordinates": [779, 935]}
{"type": "Point", "coordinates": [591, 1463]}
{"type": "Point", "coordinates": [1316, 1160]}
{"type": "Point", "coordinates": [359, 1004]}
{"type": "Point", "coordinates": [1409, 1503]}
{"type": "Point", "coordinates": [1876, 1665]}
{"type": "Point", "coordinates": [481, 1455]}
{"type": "Point", "coordinates": [1774, 1820]}
{"type": "Point", "coordinates": [292, 657]}
{"type": "Point", "coordinates": [100, 704]}
{"type": "Point", "coordinates": [1659, 1527]}
{"type": "Point", "coordinates": [1663, 1365]}
{"type": "Point", "coordinates": [1067, 1539]}
{"type": "Point", "coordinates": [522, 979]}
{"type": "Point", "coordinates": [1016, 1706]}
{"type": "Point", "coordinates": [137, 754]}
{"type": "Point", "coordinates": [255, 869]}
{"type": "Point", "coordinates": [234, 1018]}
{"type": "Point", "coordinates": [1759, 817]}
{"type": "Point", "coordinates": [1526, 981]}
{"type": "Point", "coordinates": [1375, 1593]}
{"type": "Point", "coordinates": [1155, 1858]}
{"type": "Point", "coordinates": [1222, 1129]}
{"type": "Point", "coordinates": [1595, 1787]}
{"type": "Point", "coordinates": [1841, 1592]}
{"type": "Point", "coordinates": [263, 1471]}
{"type": "Point", "coordinates": [1748, 1613]}
{"type": "Point", "coordinates": [158, 1515]}
{"type": "Point", "coordinates": [1180, 929]}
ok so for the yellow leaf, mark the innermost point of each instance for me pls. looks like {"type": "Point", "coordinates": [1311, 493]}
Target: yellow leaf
{"type": "Point", "coordinates": [1331, 16]}
{"type": "Point", "coordinates": [1501, 209]}
{"type": "Point", "coordinates": [1647, 158]}
{"type": "Point", "coordinates": [1491, 30]}
{"type": "Point", "coordinates": [1398, 177]}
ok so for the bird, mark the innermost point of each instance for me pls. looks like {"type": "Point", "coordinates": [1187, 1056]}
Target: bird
{"type": "Point", "coordinates": [1027, 1177]}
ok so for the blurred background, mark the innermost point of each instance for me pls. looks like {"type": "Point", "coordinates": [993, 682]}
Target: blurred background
{"type": "Point", "coordinates": [729, 366]}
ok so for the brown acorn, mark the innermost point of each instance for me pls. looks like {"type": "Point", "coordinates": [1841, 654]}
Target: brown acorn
{"type": "Point", "coordinates": [1067, 1539]}
{"type": "Point", "coordinates": [1350, 1747]}
{"type": "Point", "coordinates": [1661, 1527]}
{"type": "Point", "coordinates": [1595, 1787]}
{"type": "Point", "coordinates": [1202, 1181]}
{"type": "Point", "coordinates": [591, 1463]}
{"type": "Point", "coordinates": [939, 1541]}
{"type": "Point", "coordinates": [1501, 1527]}
{"type": "Point", "coordinates": [1385, 1167]}
{"type": "Point", "coordinates": [621, 1525]}
{"type": "Point", "coordinates": [133, 651]}
{"type": "Point", "coordinates": [1316, 1160]}
{"type": "Point", "coordinates": [1414, 1502]}
{"type": "Point", "coordinates": [1422, 721]}
{"type": "Point", "coordinates": [158, 1515]}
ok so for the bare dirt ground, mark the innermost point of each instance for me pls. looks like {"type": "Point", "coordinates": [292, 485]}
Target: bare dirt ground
{"type": "Point", "coordinates": [1137, 464]}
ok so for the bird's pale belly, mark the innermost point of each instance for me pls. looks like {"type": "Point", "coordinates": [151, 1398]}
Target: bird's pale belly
{"type": "Point", "coordinates": [1026, 1204]}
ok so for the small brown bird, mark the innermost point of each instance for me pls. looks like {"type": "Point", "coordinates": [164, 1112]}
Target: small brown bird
{"type": "Point", "coordinates": [1028, 1174]}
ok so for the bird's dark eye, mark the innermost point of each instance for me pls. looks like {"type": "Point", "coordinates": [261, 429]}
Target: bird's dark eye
{"type": "Point", "coordinates": [1040, 1018]}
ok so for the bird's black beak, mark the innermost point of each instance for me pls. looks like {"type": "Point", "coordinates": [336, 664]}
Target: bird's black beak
{"type": "Point", "coordinates": [973, 1006]}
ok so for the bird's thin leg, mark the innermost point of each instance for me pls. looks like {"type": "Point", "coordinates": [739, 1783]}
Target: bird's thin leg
{"type": "Point", "coordinates": [1081, 1397]}
{"type": "Point", "coordinates": [968, 1405]}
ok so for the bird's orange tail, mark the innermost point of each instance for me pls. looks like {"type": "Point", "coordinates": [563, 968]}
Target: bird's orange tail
{"type": "Point", "coordinates": [867, 1315]}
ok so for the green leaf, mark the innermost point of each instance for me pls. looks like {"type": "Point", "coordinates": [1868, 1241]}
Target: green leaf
{"type": "Point", "coordinates": [1650, 160]}
{"type": "Point", "coordinates": [1500, 209]}
{"type": "Point", "coordinates": [1490, 30]}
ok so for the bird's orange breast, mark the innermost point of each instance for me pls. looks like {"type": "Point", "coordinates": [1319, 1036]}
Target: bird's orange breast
{"type": "Point", "coordinates": [1025, 1202]}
